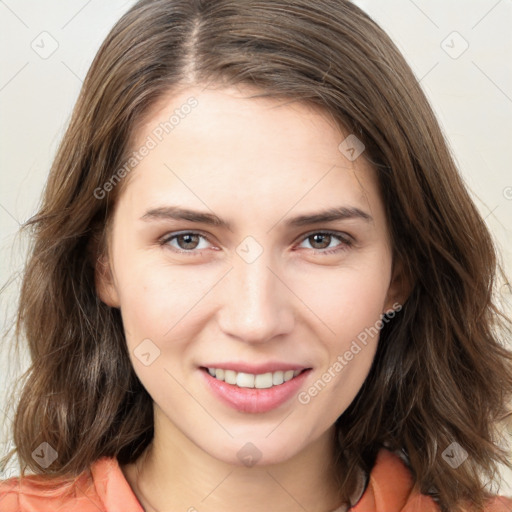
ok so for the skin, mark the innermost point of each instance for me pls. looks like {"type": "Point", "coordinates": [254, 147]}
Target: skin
{"type": "Point", "coordinates": [255, 163]}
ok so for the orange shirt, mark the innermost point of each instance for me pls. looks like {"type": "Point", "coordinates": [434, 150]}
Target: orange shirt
{"type": "Point", "coordinates": [104, 488]}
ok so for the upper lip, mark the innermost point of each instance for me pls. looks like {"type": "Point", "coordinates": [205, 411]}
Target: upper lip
{"type": "Point", "coordinates": [256, 368]}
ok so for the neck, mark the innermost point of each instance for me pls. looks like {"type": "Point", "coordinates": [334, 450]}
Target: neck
{"type": "Point", "coordinates": [176, 474]}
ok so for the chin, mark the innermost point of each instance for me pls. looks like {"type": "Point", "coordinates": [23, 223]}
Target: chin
{"type": "Point", "coordinates": [256, 452]}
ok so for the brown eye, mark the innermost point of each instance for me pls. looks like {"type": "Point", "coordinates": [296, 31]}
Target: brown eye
{"type": "Point", "coordinates": [185, 242]}
{"type": "Point", "coordinates": [190, 241]}
{"type": "Point", "coordinates": [322, 239]}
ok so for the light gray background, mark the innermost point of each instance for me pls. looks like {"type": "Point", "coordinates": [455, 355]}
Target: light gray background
{"type": "Point", "coordinates": [469, 88]}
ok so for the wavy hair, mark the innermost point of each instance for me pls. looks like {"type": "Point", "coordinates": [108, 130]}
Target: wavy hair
{"type": "Point", "coordinates": [442, 372]}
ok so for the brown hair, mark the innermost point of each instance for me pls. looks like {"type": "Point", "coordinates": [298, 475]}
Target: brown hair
{"type": "Point", "coordinates": [441, 373]}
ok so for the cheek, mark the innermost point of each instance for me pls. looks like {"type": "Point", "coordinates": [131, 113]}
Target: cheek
{"type": "Point", "coordinates": [347, 373]}
{"type": "Point", "coordinates": [346, 300]}
{"type": "Point", "coordinates": [353, 315]}
{"type": "Point", "coordinates": [158, 301]}
{"type": "Point", "coordinates": [349, 302]}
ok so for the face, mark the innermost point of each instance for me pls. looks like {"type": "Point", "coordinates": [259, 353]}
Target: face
{"type": "Point", "coordinates": [250, 277]}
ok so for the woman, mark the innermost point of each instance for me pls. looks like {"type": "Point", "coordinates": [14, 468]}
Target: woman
{"type": "Point", "coordinates": [193, 347]}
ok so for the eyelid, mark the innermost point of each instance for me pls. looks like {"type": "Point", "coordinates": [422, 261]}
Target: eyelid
{"type": "Point", "coordinates": [338, 234]}
{"type": "Point", "coordinates": [345, 239]}
{"type": "Point", "coordinates": [174, 234]}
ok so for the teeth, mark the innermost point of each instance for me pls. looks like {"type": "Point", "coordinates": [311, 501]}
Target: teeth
{"type": "Point", "coordinates": [249, 380]}
{"type": "Point", "coordinates": [277, 378]}
{"type": "Point", "coordinates": [230, 376]}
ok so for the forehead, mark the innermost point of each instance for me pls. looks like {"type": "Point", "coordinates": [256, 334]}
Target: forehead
{"type": "Point", "coordinates": [231, 148]}
{"type": "Point", "coordinates": [221, 112]}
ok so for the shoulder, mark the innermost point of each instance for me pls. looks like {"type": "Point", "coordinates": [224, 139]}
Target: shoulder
{"type": "Point", "coordinates": [500, 504]}
{"type": "Point", "coordinates": [36, 492]}
{"type": "Point", "coordinates": [100, 488]}
{"type": "Point", "coordinates": [391, 487]}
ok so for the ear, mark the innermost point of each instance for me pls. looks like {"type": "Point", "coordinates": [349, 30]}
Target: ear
{"type": "Point", "coordinates": [104, 281]}
{"type": "Point", "coordinates": [399, 289]}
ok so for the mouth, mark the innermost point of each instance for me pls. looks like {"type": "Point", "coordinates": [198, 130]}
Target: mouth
{"type": "Point", "coordinates": [251, 380]}
{"type": "Point", "coordinates": [254, 393]}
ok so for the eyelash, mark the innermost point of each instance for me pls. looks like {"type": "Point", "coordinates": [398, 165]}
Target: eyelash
{"type": "Point", "coordinates": [346, 242]}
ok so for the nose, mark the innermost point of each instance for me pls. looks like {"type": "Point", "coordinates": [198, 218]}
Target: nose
{"type": "Point", "coordinates": [257, 306]}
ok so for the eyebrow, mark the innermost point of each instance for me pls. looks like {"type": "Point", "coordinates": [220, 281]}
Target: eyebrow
{"type": "Point", "coordinates": [328, 215]}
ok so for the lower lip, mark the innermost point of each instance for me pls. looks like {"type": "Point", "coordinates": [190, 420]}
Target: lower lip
{"type": "Point", "coordinates": [255, 400]}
